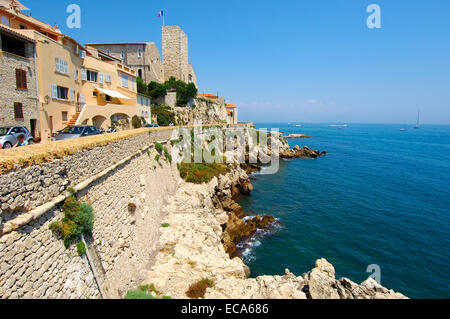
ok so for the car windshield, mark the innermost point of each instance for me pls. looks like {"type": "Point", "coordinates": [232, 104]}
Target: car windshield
{"type": "Point", "coordinates": [72, 130]}
{"type": "Point", "coordinates": [4, 131]}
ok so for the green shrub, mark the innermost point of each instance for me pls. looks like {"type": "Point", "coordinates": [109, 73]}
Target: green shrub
{"type": "Point", "coordinates": [78, 219]}
{"type": "Point", "coordinates": [81, 248]}
{"type": "Point", "coordinates": [136, 121]}
{"type": "Point", "coordinates": [164, 114]}
{"type": "Point", "coordinates": [167, 155]}
{"type": "Point", "coordinates": [158, 147]}
{"type": "Point", "coordinates": [201, 173]}
{"type": "Point", "coordinates": [165, 225]}
{"type": "Point", "coordinates": [137, 294]}
{"type": "Point", "coordinates": [157, 158]}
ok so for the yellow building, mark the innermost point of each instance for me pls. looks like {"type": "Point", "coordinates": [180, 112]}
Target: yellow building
{"type": "Point", "coordinates": [59, 60]}
{"type": "Point", "coordinates": [76, 85]}
{"type": "Point", "coordinates": [110, 91]}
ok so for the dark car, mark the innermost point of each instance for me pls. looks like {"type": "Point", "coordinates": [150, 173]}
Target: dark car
{"type": "Point", "coordinates": [9, 134]}
{"type": "Point", "coordinates": [71, 132]}
{"type": "Point", "coordinates": [152, 125]}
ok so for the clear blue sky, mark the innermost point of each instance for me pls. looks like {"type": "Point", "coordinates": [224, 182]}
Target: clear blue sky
{"type": "Point", "coordinates": [297, 60]}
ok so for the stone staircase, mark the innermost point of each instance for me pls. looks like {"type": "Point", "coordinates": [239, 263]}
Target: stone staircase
{"type": "Point", "coordinates": [74, 119]}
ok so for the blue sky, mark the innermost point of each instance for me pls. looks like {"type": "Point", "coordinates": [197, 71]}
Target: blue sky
{"type": "Point", "coordinates": [298, 60]}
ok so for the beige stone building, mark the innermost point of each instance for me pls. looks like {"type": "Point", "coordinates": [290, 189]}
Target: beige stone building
{"type": "Point", "coordinates": [18, 81]}
{"type": "Point", "coordinates": [175, 49]}
{"type": "Point", "coordinates": [143, 58]}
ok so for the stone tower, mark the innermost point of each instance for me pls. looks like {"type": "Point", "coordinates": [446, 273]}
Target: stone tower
{"type": "Point", "coordinates": [176, 54]}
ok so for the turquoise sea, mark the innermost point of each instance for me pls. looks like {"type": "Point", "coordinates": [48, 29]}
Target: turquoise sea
{"type": "Point", "coordinates": [380, 196]}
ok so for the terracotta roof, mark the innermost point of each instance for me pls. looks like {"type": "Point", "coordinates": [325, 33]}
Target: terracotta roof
{"type": "Point", "coordinates": [210, 96]}
{"type": "Point", "coordinates": [231, 106]}
{"type": "Point", "coordinates": [16, 33]}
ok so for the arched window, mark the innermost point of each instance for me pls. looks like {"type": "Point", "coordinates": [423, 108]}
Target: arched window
{"type": "Point", "coordinates": [140, 73]}
{"type": "Point", "coordinates": [139, 53]}
{"type": "Point", "coordinates": [122, 54]}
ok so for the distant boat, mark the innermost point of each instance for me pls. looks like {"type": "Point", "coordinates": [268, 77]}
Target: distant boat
{"type": "Point", "coordinates": [403, 129]}
{"type": "Point", "coordinates": [298, 125]}
{"type": "Point", "coordinates": [418, 122]}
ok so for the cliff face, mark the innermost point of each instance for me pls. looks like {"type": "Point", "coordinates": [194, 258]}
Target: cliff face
{"type": "Point", "coordinates": [194, 247]}
{"type": "Point", "coordinates": [205, 110]}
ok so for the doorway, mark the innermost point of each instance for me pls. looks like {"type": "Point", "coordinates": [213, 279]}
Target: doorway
{"type": "Point", "coordinates": [33, 125]}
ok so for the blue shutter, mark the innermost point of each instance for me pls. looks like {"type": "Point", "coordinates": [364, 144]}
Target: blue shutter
{"type": "Point", "coordinates": [83, 74]}
{"type": "Point", "coordinates": [54, 89]}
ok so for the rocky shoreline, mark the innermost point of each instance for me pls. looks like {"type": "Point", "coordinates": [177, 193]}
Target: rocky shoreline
{"type": "Point", "coordinates": [203, 226]}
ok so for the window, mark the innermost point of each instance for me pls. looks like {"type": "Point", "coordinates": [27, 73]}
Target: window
{"type": "Point", "coordinates": [107, 98]}
{"type": "Point", "coordinates": [75, 75]}
{"type": "Point", "coordinates": [107, 78]}
{"type": "Point", "coordinates": [21, 79]}
{"type": "Point", "coordinates": [64, 116]}
{"type": "Point", "coordinates": [62, 93]}
{"type": "Point", "coordinates": [18, 111]}
{"type": "Point", "coordinates": [91, 76]}
{"type": "Point", "coordinates": [140, 73]}
{"type": "Point", "coordinates": [94, 93]}
{"type": "Point", "coordinates": [139, 53]}
{"type": "Point", "coordinates": [61, 65]}
{"type": "Point", "coordinates": [22, 27]}
{"type": "Point", "coordinates": [59, 92]}
{"type": "Point", "coordinates": [108, 52]}
{"type": "Point", "coordinates": [125, 81]}
{"type": "Point", "coordinates": [5, 21]}
{"type": "Point", "coordinates": [122, 54]}
{"type": "Point", "coordinates": [13, 46]}
{"type": "Point", "coordinates": [133, 82]}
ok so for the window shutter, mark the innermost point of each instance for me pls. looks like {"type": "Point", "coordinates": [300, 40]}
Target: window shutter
{"type": "Point", "coordinates": [72, 95]}
{"type": "Point", "coordinates": [100, 78]}
{"type": "Point", "coordinates": [83, 74]}
{"type": "Point", "coordinates": [82, 100]}
{"type": "Point", "coordinates": [75, 74]}
{"type": "Point", "coordinates": [18, 110]}
{"type": "Point", "coordinates": [24, 79]}
{"type": "Point", "coordinates": [54, 91]}
{"type": "Point", "coordinates": [66, 67]}
{"type": "Point", "coordinates": [18, 79]}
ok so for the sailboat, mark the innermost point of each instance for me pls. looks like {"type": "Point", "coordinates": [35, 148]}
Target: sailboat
{"type": "Point", "coordinates": [418, 122]}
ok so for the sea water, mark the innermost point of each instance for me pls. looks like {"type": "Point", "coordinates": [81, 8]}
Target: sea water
{"type": "Point", "coordinates": [380, 197]}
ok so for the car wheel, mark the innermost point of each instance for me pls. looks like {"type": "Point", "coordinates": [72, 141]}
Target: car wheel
{"type": "Point", "coordinates": [31, 142]}
{"type": "Point", "coordinates": [7, 145]}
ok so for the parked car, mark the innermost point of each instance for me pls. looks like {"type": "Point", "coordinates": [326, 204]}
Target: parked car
{"type": "Point", "coordinates": [71, 132]}
{"type": "Point", "coordinates": [9, 134]}
{"type": "Point", "coordinates": [152, 125]}
{"type": "Point", "coordinates": [111, 130]}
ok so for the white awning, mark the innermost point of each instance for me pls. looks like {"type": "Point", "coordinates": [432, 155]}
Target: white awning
{"type": "Point", "coordinates": [112, 93]}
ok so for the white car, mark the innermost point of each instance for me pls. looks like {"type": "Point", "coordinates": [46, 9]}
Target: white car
{"type": "Point", "coordinates": [9, 134]}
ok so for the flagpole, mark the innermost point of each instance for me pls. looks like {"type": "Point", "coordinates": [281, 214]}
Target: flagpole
{"type": "Point", "coordinates": [164, 14]}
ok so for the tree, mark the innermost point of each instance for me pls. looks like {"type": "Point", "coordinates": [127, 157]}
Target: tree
{"type": "Point", "coordinates": [164, 114]}
{"type": "Point", "coordinates": [141, 86]}
{"type": "Point", "coordinates": [136, 122]}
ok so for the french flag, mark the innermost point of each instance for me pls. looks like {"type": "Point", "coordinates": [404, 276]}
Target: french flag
{"type": "Point", "coordinates": [161, 14]}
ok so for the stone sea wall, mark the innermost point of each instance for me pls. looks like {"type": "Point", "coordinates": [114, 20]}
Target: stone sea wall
{"type": "Point", "coordinates": [25, 189]}
{"type": "Point", "coordinates": [35, 264]}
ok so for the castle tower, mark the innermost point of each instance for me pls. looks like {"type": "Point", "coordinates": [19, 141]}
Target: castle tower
{"type": "Point", "coordinates": [176, 55]}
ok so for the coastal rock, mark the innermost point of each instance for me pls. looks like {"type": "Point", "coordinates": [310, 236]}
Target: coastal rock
{"type": "Point", "coordinates": [201, 241]}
